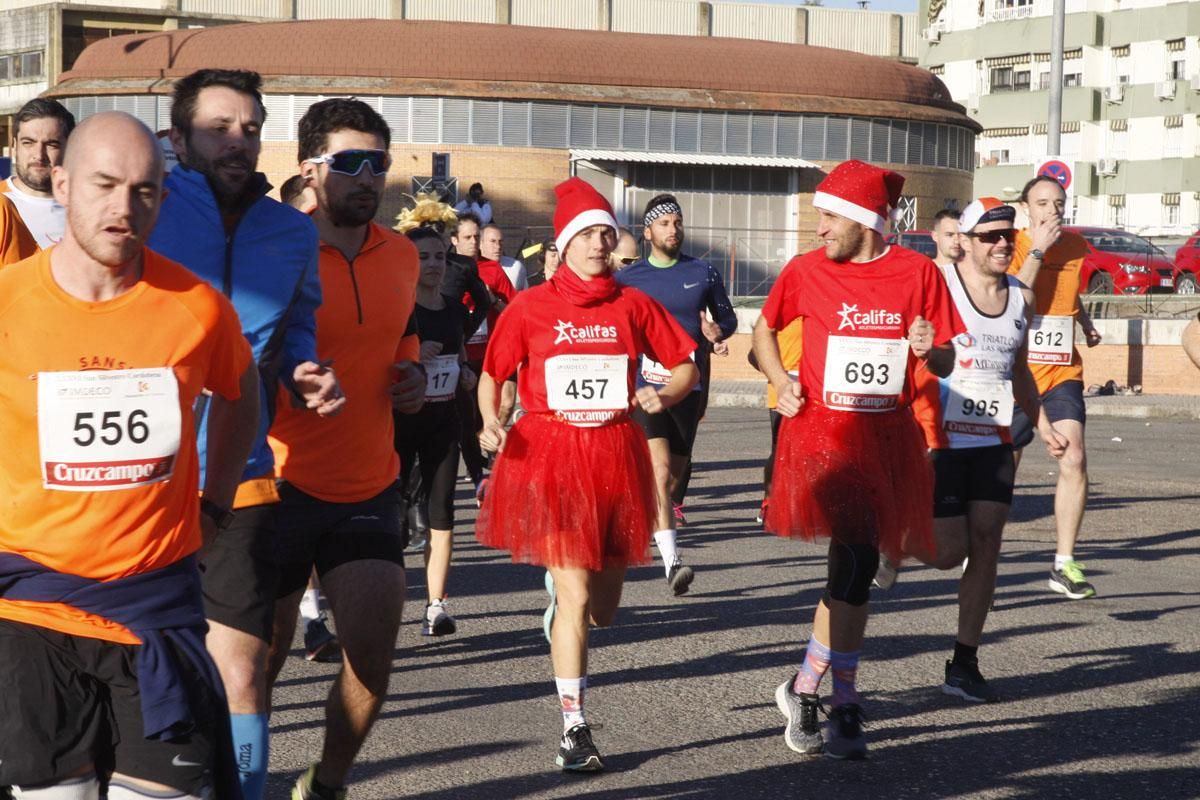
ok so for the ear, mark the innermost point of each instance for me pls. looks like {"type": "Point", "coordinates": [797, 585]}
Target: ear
{"type": "Point", "coordinates": [308, 171]}
{"type": "Point", "coordinates": [60, 182]}
{"type": "Point", "coordinates": [178, 143]}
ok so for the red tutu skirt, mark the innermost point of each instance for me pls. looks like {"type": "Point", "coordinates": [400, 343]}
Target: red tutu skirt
{"type": "Point", "coordinates": [859, 478]}
{"type": "Point", "coordinates": [565, 496]}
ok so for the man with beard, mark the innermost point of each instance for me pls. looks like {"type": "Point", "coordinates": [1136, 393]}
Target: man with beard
{"type": "Point", "coordinates": [218, 222]}
{"type": "Point", "coordinates": [850, 463]}
{"type": "Point", "coordinates": [341, 506]}
{"type": "Point", "coordinates": [108, 688]}
{"type": "Point", "coordinates": [691, 290]}
{"type": "Point", "coordinates": [40, 131]}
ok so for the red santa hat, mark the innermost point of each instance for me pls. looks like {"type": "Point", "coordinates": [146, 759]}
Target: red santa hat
{"type": "Point", "coordinates": [580, 206]}
{"type": "Point", "coordinates": [861, 192]}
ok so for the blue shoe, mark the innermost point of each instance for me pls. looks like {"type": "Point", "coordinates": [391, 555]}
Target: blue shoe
{"type": "Point", "coordinates": [548, 617]}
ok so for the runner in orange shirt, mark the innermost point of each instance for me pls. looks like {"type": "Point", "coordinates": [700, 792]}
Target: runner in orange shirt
{"type": "Point", "coordinates": [100, 473]}
{"type": "Point", "coordinates": [791, 345]}
{"type": "Point", "coordinates": [341, 509]}
{"type": "Point", "coordinates": [1049, 259]}
{"type": "Point", "coordinates": [16, 242]}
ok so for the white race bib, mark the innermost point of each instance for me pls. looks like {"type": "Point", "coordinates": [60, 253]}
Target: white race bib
{"type": "Point", "coordinates": [864, 374]}
{"type": "Point", "coordinates": [108, 430]}
{"type": "Point", "coordinates": [441, 377]}
{"type": "Point", "coordinates": [977, 405]}
{"type": "Point", "coordinates": [655, 373]}
{"type": "Point", "coordinates": [587, 390]}
{"type": "Point", "coordinates": [480, 336]}
{"type": "Point", "coordinates": [1051, 340]}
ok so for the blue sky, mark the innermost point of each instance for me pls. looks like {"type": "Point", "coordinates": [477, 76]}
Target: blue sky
{"type": "Point", "coordinates": [876, 5]}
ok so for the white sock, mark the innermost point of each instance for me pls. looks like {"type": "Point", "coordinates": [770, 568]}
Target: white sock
{"type": "Point", "coordinates": [666, 547]}
{"type": "Point", "coordinates": [310, 605]}
{"type": "Point", "coordinates": [1060, 560]}
{"type": "Point", "coordinates": [570, 697]}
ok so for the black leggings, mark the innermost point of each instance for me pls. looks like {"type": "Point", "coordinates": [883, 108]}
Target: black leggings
{"type": "Point", "coordinates": [776, 421]}
{"type": "Point", "coordinates": [430, 440]}
{"type": "Point", "coordinates": [468, 415]}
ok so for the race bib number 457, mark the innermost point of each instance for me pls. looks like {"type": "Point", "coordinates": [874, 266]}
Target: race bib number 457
{"type": "Point", "coordinates": [104, 431]}
{"type": "Point", "coordinates": [587, 390]}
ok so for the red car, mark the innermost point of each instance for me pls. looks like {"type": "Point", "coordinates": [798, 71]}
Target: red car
{"type": "Point", "coordinates": [1122, 263]}
{"type": "Point", "coordinates": [1187, 265]}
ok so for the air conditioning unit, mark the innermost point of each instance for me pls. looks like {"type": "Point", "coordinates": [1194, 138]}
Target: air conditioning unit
{"type": "Point", "coordinates": [1107, 166]}
{"type": "Point", "coordinates": [1114, 93]}
{"type": "Point", "coordinates": [931, 34]}
{"type": "Point", "coordinates": [1165, 90]}
{"type": "Point", "coordinates": [1196, 83]}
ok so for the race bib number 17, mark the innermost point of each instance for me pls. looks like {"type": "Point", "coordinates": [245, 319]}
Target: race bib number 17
{"type": "Point", "coordinates": [109, 430]}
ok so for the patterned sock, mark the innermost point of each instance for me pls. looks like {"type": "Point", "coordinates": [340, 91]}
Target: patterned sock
{"type": "Point", "coordinates": [816, 664]}
{"type": "Point", "coordinates": [1060, 560]}
{"type": "Point", "coordinates": [251, 734]}
{"type": "Point", "coordinates": [570, 695]}
{"type": "Point", "coordinates": [665, 540]}
{"type": "Point", "coordinates": [845, 672]}
{"type": "Point", "coordinates": [310, 605]}
{"type": "Point", "coordinates": [965, 654]}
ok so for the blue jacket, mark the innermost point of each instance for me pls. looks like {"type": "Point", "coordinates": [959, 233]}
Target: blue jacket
{"type": "Point", "coordinates": [684, 289]}
{"type": "Point", "coordinates": [165, 609]}
{"type": "Point", "coordinates": [266, 265]}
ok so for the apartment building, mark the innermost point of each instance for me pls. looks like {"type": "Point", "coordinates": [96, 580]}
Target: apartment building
{"type": "Point", "coordinates": [1130, 103]}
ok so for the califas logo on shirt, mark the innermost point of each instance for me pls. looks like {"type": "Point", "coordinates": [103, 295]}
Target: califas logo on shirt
{"type": "Point", "coordinates": [873, 319]}
{"type": "Point", "coordinates": [570, 333]}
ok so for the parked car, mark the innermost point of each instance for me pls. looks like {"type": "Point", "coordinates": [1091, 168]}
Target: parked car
{"type": "Point", "coordinates": [1187, 265]}
{"type": "Point", "coordinates": [915, 240]}
{"type": "Point", "coordinates": [1119, 262]}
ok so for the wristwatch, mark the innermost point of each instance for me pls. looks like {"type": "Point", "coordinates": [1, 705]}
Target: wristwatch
{"type": "Point", "coordinates": [1038, 254]}
{"type": "Point", "coordinates": [222, 517]}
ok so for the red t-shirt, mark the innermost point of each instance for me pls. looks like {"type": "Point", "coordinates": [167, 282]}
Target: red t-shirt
{"type": "Point", "coordinates": [856, 320]}
{"type": "Point", "coordinates": [581, 361]}
{"type": "Point", "coordinates": [493, 277]}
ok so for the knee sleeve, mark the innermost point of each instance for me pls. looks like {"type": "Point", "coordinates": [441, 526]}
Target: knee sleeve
{"type": "Point", "coordinates": [74, 789]}
{"type": "Point", "coordinates": [851, 569]}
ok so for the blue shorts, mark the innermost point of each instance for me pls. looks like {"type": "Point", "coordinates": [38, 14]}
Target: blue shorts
{"type": "Point", "coordinates": [1064, 401]}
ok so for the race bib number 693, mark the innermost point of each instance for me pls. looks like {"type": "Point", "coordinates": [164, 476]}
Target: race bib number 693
{"type": "Point", "coordinates": [110, 430]}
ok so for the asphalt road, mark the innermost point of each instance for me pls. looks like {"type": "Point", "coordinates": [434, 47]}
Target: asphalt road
{"type": "Point", "coordinates": [1100, 696]}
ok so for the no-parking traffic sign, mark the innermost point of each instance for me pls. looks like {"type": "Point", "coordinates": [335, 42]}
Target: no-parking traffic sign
{"type": "Point", "coordinates": [1061, 170]}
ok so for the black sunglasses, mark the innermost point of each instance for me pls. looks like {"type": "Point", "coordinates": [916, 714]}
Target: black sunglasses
{"type": "Point", "coordinates": [351, 162]}
{"type": "Point", "coordinates": [992, 237]}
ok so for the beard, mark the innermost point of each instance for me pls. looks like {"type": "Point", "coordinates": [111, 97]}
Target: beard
{"type": "Point", "coordinates": [845, 247]}
{"type": "Point", "coordinates": [228, 192]}
{"type": "Point", "coordinates": [345, 212]}
{"type": "Point", "coordinates": [38, 181]}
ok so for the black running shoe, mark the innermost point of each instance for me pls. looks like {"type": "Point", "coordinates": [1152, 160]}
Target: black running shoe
{"type": "Point", "coordinates": [846, 740]}
{"type": "Point", "coordinates": [680, 578]}
{"type": "Point", "coordinates": [577, 753]}
{"type": "Point", "coordinates": [320, 643]}
{"type": "Point", "coordinates": [965, 681]}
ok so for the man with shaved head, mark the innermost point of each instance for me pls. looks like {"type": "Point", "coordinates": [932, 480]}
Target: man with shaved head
{"type": "Point", "coordinates": [111, 692]}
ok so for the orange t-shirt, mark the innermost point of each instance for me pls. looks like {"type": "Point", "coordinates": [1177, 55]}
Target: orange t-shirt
{"type": "Point", "coordinates": [87, 494]}
{"type": "Point", "coordinates": [1055, 293]}
{"type": "Point", "coordinates": [16, 242]}
{"type": "Point", "coordinates": [363, 325]}
{"type": "Point", "coordinates": [791, 344]}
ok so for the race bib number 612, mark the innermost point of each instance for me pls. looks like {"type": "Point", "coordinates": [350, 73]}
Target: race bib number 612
{"type": "Point", "coordinates": [110, 430]}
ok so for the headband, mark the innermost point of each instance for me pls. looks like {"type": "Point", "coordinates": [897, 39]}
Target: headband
{"type": "Point", "coordinates": [661, 210]}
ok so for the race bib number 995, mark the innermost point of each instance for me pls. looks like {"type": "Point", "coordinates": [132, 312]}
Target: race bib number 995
{"type": "Point", "coordinates": [110, 430]}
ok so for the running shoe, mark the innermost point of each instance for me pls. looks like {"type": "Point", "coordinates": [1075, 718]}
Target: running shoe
{"type": "Point", "coordinates": [480, 491]}
{"type": "Point", "coordinates": [846, 740]}
{"type": "Point", "coordinates": [965, 681]}
{"type": "Point", "coordinates": [437, 621]}
{"type": "Point", "coordinates": [885, 574]}
{"type": "Point", "coordinates": [306, 788]}
{"type": "Point", "coordinates": [680, 519]}
{"type": "Point", "coordinates": [803, 731]}
{"type": "Point", "coordinates": [680, 577]}
{"type": "Point", "coordinates": [762, 511]}
{"type": "Point", "coordinates": [548, 617]}
{"type": "Point", "coordinates": [320, 643]}
{"type": "Point", "coordinates": [1069, 580]}
{"type": "Point", "coordinates": [577, 753]}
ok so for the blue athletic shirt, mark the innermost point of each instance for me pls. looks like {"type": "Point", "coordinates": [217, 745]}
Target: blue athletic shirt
{"type": "Point", "coordinates": [265, 266]}
{"type": "Point", "coordinates": [684, 289]}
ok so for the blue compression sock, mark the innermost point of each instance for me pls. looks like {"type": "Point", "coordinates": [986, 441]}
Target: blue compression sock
{"type": "Point", "coordinates": [251, 734]}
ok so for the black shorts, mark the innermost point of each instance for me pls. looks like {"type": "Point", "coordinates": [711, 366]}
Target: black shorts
{"type": "Point", "coordinates": [430, 439]}
{"type": "Point", "coordinates": [67, 702]}
{"type": "Point", "coordinates": [317, 533]}
{"type": "Point", "coordinates": [678, 424]}
{"type": "Point", "coordinates": [239, 575]}
{"type": "Point", "coordinates": [970, 474]}
{"type": "Point", "coordinates": [1064, 401]}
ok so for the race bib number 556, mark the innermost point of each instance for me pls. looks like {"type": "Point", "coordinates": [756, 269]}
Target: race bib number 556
{"type": "Point", "coordinates": [104, 431]}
